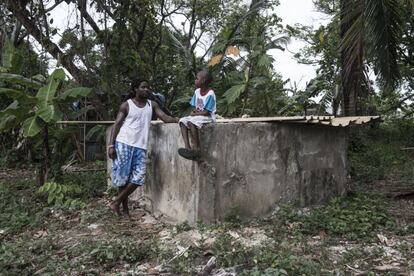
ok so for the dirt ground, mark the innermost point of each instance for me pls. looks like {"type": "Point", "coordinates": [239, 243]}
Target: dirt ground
{"type": "Point", "coordinates": [93, 241]}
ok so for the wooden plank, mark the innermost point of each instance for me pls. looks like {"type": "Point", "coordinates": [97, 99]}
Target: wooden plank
{"type": "Point", "coordinates": [325, 120]}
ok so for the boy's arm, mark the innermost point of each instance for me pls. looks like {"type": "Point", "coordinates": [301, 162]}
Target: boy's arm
{"type": "Point", "coordinates": [164, 117]}
{"type": "Point", "coordinates": [120, 117]}
{"type": "Point", "coordinates": [208, 108]}
{"type": "Point", "coordinates": [200, 113]}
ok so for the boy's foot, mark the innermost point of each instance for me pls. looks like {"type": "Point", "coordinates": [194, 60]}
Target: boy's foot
{"type": "Point", "coordinates": [189, 154]}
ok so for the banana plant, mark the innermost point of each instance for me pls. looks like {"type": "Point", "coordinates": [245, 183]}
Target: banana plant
{"type": "Point", "coordinates": [36, 102]}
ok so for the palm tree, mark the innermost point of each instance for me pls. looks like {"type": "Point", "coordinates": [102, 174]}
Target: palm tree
{"type": "Point", "coordinates": [370, 31]}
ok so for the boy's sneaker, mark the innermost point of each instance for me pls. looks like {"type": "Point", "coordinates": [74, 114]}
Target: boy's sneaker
{"type": "Point", "coordinates": [189, 154]}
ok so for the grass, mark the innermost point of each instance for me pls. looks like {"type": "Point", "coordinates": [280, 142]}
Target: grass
{"type": "Point", "coordinates": [340, 238]}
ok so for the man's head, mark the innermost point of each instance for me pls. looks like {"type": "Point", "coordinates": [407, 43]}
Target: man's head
{"type": "Point", "coordinates": [203, 79]}
{"type": "Point", "coordinates": [140, 87]}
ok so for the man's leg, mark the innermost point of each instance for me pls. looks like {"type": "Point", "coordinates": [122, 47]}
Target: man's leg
{"type": "Point", "coordinates": [184, 132]}
{"type": "Point", "coordinates": [125, 210]}
{"type": "Point", "coordinates": [122, 196]}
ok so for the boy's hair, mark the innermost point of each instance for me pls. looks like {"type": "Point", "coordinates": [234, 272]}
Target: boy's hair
{"type": "Point", "coordinates": [136, 82]}
{"type": "Point", "coordinates": [209, 77]}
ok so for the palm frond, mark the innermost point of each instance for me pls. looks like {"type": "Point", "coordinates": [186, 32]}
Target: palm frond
{"type": "Point", "coordinates": [180, 49]}
{"type": "Point", "coordinates": [278, 43]}
{"type": "Point", "coordinates": [384, 27]}
{"type": "Point", "coordinates": [352, 39]}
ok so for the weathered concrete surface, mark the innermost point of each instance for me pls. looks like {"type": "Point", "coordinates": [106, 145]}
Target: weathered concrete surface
{"type": "Point", "coordinates": [247, 167]}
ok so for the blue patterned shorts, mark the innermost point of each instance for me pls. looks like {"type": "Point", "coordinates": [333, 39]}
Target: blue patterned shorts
{"type": "Point", "coordinates": [129, 165]}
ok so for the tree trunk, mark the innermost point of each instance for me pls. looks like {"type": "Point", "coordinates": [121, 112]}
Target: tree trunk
{"type": "Point", "coordinates": [18, 8]}
{"type": "Point", "coordinates": [351, 60]}
{"type": "Point", "coordinates": [44, 166]}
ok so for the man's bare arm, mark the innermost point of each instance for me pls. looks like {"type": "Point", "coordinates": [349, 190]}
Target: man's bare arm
{"type": "Point", "coordinates": [120, 117]}
{"type": "Point", "coordinates": [164, 117]}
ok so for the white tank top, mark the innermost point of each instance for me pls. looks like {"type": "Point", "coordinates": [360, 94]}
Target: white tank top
{"type": "Point", "coordinates": [135, 129]}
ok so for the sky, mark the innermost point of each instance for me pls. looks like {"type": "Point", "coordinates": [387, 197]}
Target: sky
{"type": "Point", "coordinates": [291, 12]}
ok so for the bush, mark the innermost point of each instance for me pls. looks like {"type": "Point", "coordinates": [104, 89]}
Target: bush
{"type": "Point", "coordinates": [375, 153]}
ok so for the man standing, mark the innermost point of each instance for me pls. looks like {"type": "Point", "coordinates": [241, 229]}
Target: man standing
{"type": "Point", "coordinates": [128, 142]}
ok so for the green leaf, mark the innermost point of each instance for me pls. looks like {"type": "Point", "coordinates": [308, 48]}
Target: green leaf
{"type": "Point", "coordinates": [46, 93]}
{"type": "Point", "coordinates": [31, 127]}
{"type": "Point", "coordinates": [49, 113]}
{"type": "Point", "coordinates": [265, 61]}
{"type": "Point", "coordinates": [39, 78]}
{"type": "Point", "coordinates": [7, 122]}
{"type": "Point", "coordinates": [234, 93]}
{"type": "Point", "coordinates": [17, 95]}
{"type": "Point", "coordinates": [20, 80]}
{"type": "Point", "coordinates": [7, 54]}
{"type": "Point", "coordinates": [50, 198]}
{"type": "Point", "coordinates": [53, 187]}
{"type": "Point", "coordinates": [75, 93]}
{"type": "Point", "coordinates": [58, 74]}
{"type": "Point", "coordinates": [98, 130]}
{"type": "Point", "coordinates": [77, 113]}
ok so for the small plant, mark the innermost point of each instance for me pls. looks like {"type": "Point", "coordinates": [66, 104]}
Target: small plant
{"type": "Point", "coordinates": [233, 215]}
{"type": "Point", "coordinates": [229, 251]}
{"type": "Point", "coordinates": [126, 250]}
{"type": "Point", "coordinates": [60, 195]}
{"type": "Point", "coordinates": [183, 227]}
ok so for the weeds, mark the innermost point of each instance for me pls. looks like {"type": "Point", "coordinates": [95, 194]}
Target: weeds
{"type": "Point", "coordinates": [354, 217]}
{"type": "Point", "coordinates": [120, 250]}
{"type": "Point", "coordinates": [375, 154]}
{"type": "Point", "coordinates": [18, 205]}
{"type": "Point", "coordinates": [229, 251]}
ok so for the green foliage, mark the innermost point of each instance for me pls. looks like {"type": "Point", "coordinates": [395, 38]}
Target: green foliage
{"type": "Point", "coordinates": [354, 217]}
{"type": "Point", "coordinates": [376, 153]}
{"type": "Point", "coordinates": [16, 257]}
{"type": "Point", "coordinates": [233, 216]}
{"type": "Point", "coordinates": [19, 206]}
{"type": "Point", "coordinates": [182, 227]}
{"type": "Point", "coordinates": [272, 260]}
{"type": "Point", "coordinates": [93, 183]}
{"type": "Point", "coordinates": [229, 251]}
{"type": "Point", "coordinates": [120, 250]}
{"type": "Point", "coordinates": [61, 195]}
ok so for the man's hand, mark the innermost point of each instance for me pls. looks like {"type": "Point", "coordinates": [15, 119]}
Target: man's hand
{"type": "Point", "coordinates": [112, 153]}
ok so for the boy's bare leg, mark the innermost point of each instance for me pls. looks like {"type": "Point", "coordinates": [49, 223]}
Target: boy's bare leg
{"type": "Point", "coordinates": [195, 136]}
{"type": "Point", "coordinates": [184, 132]}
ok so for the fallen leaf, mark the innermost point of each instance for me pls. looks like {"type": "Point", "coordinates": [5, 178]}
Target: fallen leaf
{"type": "Point", "coordinates": [40, 234]}
{"type": "Point", "coordinates": [382, 238]}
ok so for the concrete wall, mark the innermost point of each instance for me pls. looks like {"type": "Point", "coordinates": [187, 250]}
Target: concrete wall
{"type": "Point", "coordinates": [247, 167]}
